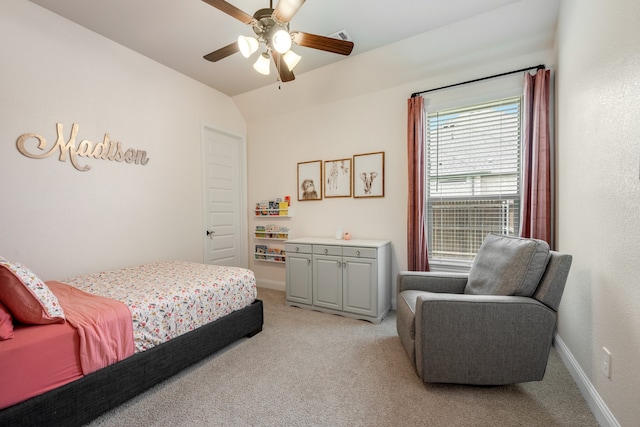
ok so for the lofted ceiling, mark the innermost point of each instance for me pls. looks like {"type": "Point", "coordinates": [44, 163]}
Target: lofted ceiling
{"type": "Point", "coordinates": [178, 33]}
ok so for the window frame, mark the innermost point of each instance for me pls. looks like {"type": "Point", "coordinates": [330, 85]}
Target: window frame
{"type": "Point", "coordinates": [460, 97]}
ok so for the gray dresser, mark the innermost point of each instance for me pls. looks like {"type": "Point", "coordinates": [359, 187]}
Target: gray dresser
{"type": "Point", "coordinates": [347, 277]}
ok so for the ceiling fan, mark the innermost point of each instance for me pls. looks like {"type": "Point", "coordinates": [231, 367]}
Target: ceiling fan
{"type": "Point", "coordinates": [272, 29]}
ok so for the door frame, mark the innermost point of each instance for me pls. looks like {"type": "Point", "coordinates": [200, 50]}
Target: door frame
{"type": "Point", "coordinates": [243, 188]}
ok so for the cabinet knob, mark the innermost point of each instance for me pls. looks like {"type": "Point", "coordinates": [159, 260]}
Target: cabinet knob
{"type": "Point", "coordinates": [326, 251]}
{"type": "Point", "coordinates": [357, 253]}
{"type": "Point", "coordinates": [297, 249]}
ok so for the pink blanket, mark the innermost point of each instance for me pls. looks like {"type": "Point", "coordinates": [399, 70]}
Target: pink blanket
{"type": "Point", "coordinates": [104, 326]}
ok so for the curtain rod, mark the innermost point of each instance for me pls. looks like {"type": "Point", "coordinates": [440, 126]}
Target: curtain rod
{"type": "Point", "coordinates": [536, 67]}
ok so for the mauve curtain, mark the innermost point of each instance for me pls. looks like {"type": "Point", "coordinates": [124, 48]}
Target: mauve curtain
{"type": "Point", "coordinates": [536, 189]}
{"type": "Point", "coordinates": [417, 252]}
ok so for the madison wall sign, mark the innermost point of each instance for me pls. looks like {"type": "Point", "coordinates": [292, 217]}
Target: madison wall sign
{"type": "Point", "coordinates": [105, 150]}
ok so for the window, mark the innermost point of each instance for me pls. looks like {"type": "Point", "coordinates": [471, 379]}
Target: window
{"type": "Point", "coordinates": [473, 173]}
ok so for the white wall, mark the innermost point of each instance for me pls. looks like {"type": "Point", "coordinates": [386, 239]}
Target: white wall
{"type": "Point", "coordinates": [62, 222]}
{"type": "Point", "coordinates": [598, 111]}
{"type": "Point", "coordinates": [359, 105]}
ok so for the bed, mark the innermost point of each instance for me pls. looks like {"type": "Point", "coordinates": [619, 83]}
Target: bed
{"type": "Point", "coordinates": [101, 339]}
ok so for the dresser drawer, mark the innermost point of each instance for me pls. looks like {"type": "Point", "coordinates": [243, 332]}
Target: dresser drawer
{"type": "Point", "coordinates": [357, 252]}
{"type": "Point", "coordinates": [327, 250]}
{"type": "Point", "coordinates": [293, 248]}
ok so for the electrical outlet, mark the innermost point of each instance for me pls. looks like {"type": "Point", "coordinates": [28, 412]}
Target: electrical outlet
{"type": "Point", "coordinates": [606, 362]}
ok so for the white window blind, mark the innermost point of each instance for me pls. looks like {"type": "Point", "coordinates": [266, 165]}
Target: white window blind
{"type": "Point", "coordinates": [473, 172]}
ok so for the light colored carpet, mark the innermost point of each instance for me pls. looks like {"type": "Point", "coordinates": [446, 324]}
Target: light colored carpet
{"type": "Point", "coordinates": [313, 369]}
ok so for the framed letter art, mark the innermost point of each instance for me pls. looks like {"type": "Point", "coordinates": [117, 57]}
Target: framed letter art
{"type": "Point", "coordinates": [368, 175]}
{"type": "Point", "coordinates": [310, 180]}
{"type": "Point", "coordinates": [337, 178]}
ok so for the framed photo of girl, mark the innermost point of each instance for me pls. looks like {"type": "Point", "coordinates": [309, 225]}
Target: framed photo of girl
{"type": "Point", "coordinates": [368, 175]}
{"type": "Point", "coordinates": [310, 180]}
{"type": "Point", "coordinates": [337, 178]}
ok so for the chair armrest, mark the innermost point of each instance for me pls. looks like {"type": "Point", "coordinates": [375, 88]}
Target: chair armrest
{"type": "Point", "coordinates": [432, 281]}
{"type": "Point", "coordinates": [482, 339]}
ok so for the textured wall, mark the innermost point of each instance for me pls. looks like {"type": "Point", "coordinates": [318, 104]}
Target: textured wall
{"type": "Point", "coordinates": [359, 105]}
{"type": "Point", "coordinates": [598, 86]}
{"type": "Point", "coordinates": [62, 222]}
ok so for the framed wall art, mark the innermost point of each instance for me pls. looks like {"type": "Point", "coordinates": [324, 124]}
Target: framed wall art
{"type": "Point", "coordinates": [310, 180]}
{"type": "Point", "coordinates": [368, 175]}
{"type": "Point", "coordinates": [337, 178]}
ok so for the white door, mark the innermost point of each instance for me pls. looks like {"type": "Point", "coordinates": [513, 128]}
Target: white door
{"type": "Point", "coordinates": [224, 199]}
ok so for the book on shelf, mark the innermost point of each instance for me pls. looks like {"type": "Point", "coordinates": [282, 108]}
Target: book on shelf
{"type": "Point", "coordinates": [273, 208]}
{"type": "Point", "coordinates": [284, 208]}
{"type": "Point", "coordinates": [262, 208]}
{"type": "Point", "coordinates": [275, 254]}
{"type": "Point", "coordinates": [261, 251]}
{"type": "Point", "coordinates": [260, 231]}
{"type": "Point", "coordinates": [276, 207]}
{"type": "Point", "coordinates": [271, 231]}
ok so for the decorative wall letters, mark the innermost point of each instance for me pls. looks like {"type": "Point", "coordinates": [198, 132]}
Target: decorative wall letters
{"type": "Point", "coordinates": [105, 150]}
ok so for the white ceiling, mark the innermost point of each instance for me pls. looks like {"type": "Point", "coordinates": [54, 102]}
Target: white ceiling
{"type": "Point", "coordinates": [177, 33]}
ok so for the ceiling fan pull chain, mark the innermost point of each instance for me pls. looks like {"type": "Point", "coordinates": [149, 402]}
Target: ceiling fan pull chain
{"type": "Point", "coordinates": [278, 70]}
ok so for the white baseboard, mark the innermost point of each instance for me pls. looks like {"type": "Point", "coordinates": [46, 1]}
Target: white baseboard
{"type": "Point", "coordinates": [598, 407]}
{"type": "Point", "coordinates": [270, 284]}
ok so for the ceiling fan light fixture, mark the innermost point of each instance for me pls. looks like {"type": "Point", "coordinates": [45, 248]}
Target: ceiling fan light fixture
{"type": "Point", "coordinates": [262, 64]}
{"type": "Point", "coordinates": [291, 59]}
{"type": "Point", "coordinates": [247, 45]}
{"type": "Point", "coordinates": [271, 27]}
{"type": "Point", "coordinates": [287, 8]}
{"type": "Point", "coordinates": [281, 40]}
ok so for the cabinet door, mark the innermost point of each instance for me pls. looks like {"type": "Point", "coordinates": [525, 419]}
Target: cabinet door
{"type": "Point", "coordinates": [360, 277]}
{"type": "Point", "coordinates": [327, 281]}
{"type": "Point", "coordinates": [299, 278]}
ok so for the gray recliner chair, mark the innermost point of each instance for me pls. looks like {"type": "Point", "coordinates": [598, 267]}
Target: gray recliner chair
{"type": "Point", "coordinates": [493, 326]}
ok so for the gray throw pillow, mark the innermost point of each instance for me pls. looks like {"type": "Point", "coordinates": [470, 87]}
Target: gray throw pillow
{"type": "Point", "coordinates": [507, 265]}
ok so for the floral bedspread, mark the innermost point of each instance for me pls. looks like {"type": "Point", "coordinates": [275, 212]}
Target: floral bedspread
{"type": "Point", "coordinates": [168, 299]}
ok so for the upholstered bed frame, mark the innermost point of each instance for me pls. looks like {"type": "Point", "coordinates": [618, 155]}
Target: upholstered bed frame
{"type": "Point", "coordinates": [85, 399]}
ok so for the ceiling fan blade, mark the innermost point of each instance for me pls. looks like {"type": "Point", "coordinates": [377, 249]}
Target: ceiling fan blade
{"type": "Point", "coordinates": [286, 9]}
{"type": "Point", "coordinates": [329, 44]}
{"type": "Point", "coordinates": [230, 10]}
{"type": "Point", "coordinates": [222, 52]}
{"type": "Point", "coordinates": [286, 75]}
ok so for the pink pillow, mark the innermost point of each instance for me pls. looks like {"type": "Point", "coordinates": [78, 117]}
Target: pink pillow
{"type": "Point", "coordinates": [28, 298]}
{"type": "Point", "coordinates": [6, 324]}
